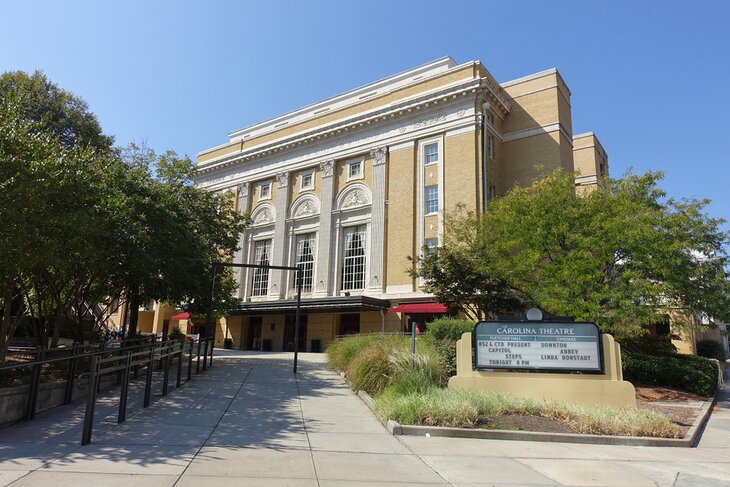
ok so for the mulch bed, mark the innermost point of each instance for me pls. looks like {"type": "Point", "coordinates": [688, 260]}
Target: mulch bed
{"type": "Point", "coordinates": [646, 398]}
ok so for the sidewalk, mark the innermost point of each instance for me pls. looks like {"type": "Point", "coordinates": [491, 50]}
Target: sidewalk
{"type": "Point", "coordinates": [249, 421]}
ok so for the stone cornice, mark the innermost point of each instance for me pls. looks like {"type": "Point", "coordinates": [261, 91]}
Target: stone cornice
{"type": "Point", "coordinates": [444, 97]}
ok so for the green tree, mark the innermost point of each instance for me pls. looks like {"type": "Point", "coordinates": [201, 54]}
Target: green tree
{"type": "Point", "coordinates": [622, 254]}
{"type": "Point", "coordinates": [54, 109]}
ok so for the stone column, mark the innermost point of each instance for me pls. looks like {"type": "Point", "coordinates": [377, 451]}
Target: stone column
{"type": "Point", "coordinates": [377, 220]}
{"type": "Point", "coordinates": [241, 256]}
{"type": "Point", "coordinates": [323, 281]}
{"type": "Point", "coordinates": [277, 279]}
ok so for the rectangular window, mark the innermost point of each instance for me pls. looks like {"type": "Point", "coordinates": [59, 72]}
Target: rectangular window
{"type": "Point", "coordinates": [265, 191]}
{"type": "Point", "coordinates": [307, 180]}
{"type": "Point", "coordinates": [491, 192]}
{"type": "Point", "coordinates": [305, 258]}
{"type": "Point", "coordinates": [490, 117]}
{"type": "Point", "coordinates": [432, 153]}
{"type": "Point", "coordinates": [354, 170]}
{"type": "Point", "coordinates": [430, 244]}
{"type": "Point", "coordinates": [262, 253]}
{"type": "Point", "coordinates": [490, 146]}
{"type": "Point", "coordinates": [353, 258]}
{"type": "Point", "coordinates": [432, 199]}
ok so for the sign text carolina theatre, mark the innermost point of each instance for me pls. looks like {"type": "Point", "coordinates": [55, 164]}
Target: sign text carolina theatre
{"type": "Point", "coordinates": [538, 346]}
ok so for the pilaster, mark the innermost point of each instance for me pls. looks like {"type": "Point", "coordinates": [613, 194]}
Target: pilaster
{"type": "Point", "coordinates": [323, 279]}
{"type": "Point", "coordinates": [377, 219]}
{"type": "Point", "coordinates": [277, 279]}
{"type": "Point", "coordinates": [241, 256]}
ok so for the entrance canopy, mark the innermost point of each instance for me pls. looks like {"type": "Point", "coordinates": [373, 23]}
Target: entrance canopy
{"type": "Point", "coordinates": [336, 304]}
{"type": "Point", "coordinates": [423, 308]}
{"type": "Point", "coordinates": [180, 316]}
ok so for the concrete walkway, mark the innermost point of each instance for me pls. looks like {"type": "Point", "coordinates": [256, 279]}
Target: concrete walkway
{"type": "Point", "coordinates": [249, 421]}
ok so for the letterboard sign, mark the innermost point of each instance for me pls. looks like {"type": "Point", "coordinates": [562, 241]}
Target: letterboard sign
{"type": "Point", "coordinates": [538, 346]}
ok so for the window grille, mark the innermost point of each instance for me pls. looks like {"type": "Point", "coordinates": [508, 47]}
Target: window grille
{"type": "Point", "coordinates": [432, 153]}
{"type": "Point", "coordinates": [354, 170]}
{"type": "Point", "coordinates": [353, 260]}
{"type": "Point", "coordinates": [432, 199]}
{"type": "Point", "coordinates": [305, 258]}
{"type": "Point", "coordinates": [262, 251]}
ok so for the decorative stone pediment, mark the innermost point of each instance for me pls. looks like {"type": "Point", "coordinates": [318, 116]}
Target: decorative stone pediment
{"type": "Point", "coordinates": [263, 215]}
{"type": "Point", "coordinates": [304, 207]}
{"type": "Point", "coordinates": [354, 196]}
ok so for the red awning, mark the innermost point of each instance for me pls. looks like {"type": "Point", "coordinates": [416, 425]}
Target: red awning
{"type": "Point", "coordinates": [413, 308]}
{"type": "Point", "coordinates": [180, 316]}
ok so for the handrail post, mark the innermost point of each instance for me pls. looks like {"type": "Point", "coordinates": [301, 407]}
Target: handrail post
{"type": "Point", "coordinates": [125, 389]}
{"type": "Point", "coordinates": [35, 382]}
{"type": "Point", "coordinates": [181, 346]}
{"type": "Point", "coordinates": [90, 401]}
{"type": "Point", "coordinates": [148, 379]}
{"type": "Point", "coordinates": [212, 345]}
{"type": "Point", "coordinates": [75, 350]}
{"type": "Point", "coordinates": [197, 364]}
{"type": "Point", "coordinates": [166, 374]}
{"type": "Point", "coordinates": [190, 361]}
{"type": "Point", "coordinates": [205, 353]}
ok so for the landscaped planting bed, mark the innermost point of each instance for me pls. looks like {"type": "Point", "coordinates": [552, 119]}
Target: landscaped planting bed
{"type": "Point", "coordinates": [380, 366]}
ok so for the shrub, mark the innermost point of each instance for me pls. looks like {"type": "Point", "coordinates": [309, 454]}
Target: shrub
{"type": "Point", "coordinates": [176, 334]}
{"type": "Point", "coordinates": [373, 363]}
{"type": "Point", "coordinates": [711, 349]}
{"type": "Point", "coordinates": [369, 371]}
{"type": "Point", "coordinates": [342, 351]}
{"type": "Point", "coordinates": [448, 328]}
{"type": "Point", "coordinates": [693, 374]}
{"type": "Point", "coordinates": [651, 344]}
{"type": "Point", "coordinates": [443, 334]}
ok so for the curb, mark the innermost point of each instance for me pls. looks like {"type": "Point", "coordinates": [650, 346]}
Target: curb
{"type": "Point", "coordinates": [690, 440]}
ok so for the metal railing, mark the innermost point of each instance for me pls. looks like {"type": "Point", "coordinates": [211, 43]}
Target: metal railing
{"type": "Point", "coordinates": [126, 362]}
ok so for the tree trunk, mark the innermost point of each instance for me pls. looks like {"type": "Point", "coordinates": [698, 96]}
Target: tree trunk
{"type": "Point", "coordinates": [133, 312]}
{"type": "Point", "coordinates": [57, 323]}
{"type": "Point", "coordinates": [6, 330]}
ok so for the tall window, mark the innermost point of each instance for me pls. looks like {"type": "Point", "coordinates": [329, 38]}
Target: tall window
{"type": "Point", "coordinates": [262, 252]}
{"type": "Point", "coordinates": [490, 146]}
{"type": "Point", "coordinates": [305, 258]}
{"type": "Point", "coordinates": [353, 259]}
{"type": "Point", "coordinates": [432, 199]}
{"type": "Point", "coordinates": [432, 153]}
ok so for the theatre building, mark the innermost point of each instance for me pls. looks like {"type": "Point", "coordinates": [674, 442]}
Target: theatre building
{"type": "Point", "coordinates": [351, 186]}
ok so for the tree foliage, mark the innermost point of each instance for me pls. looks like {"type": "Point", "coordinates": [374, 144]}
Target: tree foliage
{"type": "Point", "coordinates": [85, 223]}
{"type": "Point", "coordinates": [622, 254]}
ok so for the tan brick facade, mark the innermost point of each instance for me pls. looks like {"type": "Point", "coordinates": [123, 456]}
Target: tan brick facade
{"type": "Point", "coordinates": [426, 140]}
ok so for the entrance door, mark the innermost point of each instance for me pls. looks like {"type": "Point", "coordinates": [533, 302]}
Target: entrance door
{"type": "Point", "coordinates": [349, 324]}
{"type": "Point", "coordinates": [253, 338]}
{"type": "Point", "coordinates": [289, 328]}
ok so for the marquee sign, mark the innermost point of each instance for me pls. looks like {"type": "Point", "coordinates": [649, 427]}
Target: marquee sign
{"type": "Point", "coordinates": [548, 346]}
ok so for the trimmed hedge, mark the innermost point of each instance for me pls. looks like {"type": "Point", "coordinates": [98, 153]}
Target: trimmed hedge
{"type": "Point", "coordinates": [688, 372]}
{"type": "Point", "coordinates": [711, 349]}
{"type": "Point", "coordinates": [443, 334]}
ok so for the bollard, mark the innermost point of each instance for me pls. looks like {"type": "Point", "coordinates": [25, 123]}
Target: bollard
{"type": "Point", "coordinates": [90, 401]}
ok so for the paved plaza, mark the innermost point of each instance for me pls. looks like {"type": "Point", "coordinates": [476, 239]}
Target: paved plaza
{"type": "Point", "coordinates": [249, 421]}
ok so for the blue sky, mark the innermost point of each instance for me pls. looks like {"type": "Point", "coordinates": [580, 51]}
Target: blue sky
{"type": "Point", "coordinates": [650, 78]}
